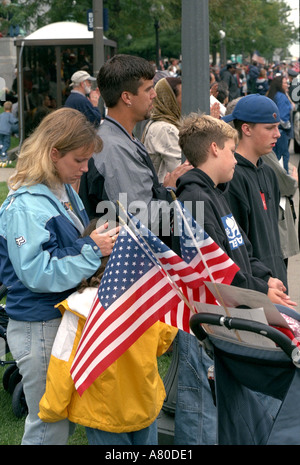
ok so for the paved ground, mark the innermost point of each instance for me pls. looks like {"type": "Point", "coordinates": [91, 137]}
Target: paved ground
{"type": "Point", "coordinates": [5, 173]}
{"type": "Point", "coordinates": [294, 262]}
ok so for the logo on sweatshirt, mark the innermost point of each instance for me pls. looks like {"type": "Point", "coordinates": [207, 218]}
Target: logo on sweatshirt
{"type": "Point", "coordinates": [232, 230]}
{"type": "Point", "coordinates": [20, 241]}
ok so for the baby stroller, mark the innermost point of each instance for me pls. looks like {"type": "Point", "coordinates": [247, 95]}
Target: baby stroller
{"type": "Point", "coordinates": [256, 390]}
{"type": "Point", "coordinates": [12, 380]}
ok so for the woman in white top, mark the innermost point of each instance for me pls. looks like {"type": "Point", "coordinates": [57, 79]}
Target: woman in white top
{"type": "Point", "coordinates": [160, 136]}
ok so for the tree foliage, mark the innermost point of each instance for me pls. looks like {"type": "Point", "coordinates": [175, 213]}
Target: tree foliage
{"type": "Point", "coordinates": [249, 25]}
{"type": "Point", "coordinates": [252, 25]}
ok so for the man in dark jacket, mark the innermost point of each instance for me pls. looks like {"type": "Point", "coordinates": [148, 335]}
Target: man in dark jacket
{"type": "Point", "coordinates": [230, 77]}
{"type": "Point", "coordinates": [253, 75]}
{"type": "Point", "coordinates": [253, 194]}
{"type": "Point", "coordinates": [83, 98]}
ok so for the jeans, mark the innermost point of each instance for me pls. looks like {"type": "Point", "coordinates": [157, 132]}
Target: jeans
{"type": "Point", "coordinates": [195, 413]}
{"type": "Point", "coordinates": [144, 437]}
{"type": "Point", "coordinates": [5, 142]}
{"type": "Point", "coordinates": [282, 149]}
{"type": "Point", "coordinates": [30, 344]}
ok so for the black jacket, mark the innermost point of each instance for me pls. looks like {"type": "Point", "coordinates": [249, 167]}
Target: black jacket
{"type": "Point", "coordinates": [254, 197]}
{"type": "Point", "coordinates": [220, 225]}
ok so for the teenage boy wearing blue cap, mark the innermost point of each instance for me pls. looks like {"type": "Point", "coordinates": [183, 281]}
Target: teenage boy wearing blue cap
{"type": "Point", "coordinates": [253, 193]}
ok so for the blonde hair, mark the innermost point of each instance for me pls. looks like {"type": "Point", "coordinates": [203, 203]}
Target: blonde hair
{"type": "Point", "coordinates": [7, 106]}
{"type": "Point", "coordinates": [197, 132]}
{"type": "Point", "coordinates": [263, 73]}
{"type": "Point", "coordinates": [66, 130]}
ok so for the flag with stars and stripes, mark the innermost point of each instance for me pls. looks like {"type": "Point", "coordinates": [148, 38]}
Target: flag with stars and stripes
{"type": "Point", "coordinates": [205, 258]}
{"type": "Point", "coordinates": [144, 281]}
{"type": "Point", "coordinates": [133, 294]}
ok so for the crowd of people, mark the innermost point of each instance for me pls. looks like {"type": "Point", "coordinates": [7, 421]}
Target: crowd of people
{"type": "Point", "coordinates": [69, 170]}
{"type": "Point", "coordinates": [8, 126]}
{"type": "Point", "coordinates": [40, 85]}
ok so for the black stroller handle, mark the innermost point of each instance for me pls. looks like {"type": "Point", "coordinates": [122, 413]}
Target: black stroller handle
{"type": "Point", "coordinates": [283, 341]}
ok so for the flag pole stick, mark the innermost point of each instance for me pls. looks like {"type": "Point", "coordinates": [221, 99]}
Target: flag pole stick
{"type": "Point", "coordinates": [159, 265]}
{"type": "Point", "coordinates": [204, 261]}
{"type": "Point", "coordinates": [200, 253]}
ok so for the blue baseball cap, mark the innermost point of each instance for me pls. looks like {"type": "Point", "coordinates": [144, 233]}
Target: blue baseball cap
{"type": "Point", "coordinates": [254, 108]}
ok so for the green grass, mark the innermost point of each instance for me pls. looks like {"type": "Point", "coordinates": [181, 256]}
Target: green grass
{"type": "Point", "coordinates": [3, 192]}
{"type": "Point", "coordinates": [14, 142]}
{"type": "Point", "coordinates": [11, 428]}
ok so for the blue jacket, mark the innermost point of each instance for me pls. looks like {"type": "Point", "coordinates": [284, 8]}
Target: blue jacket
{"type": "Point", "coordinates": [284, 106]}
{"type": "Point", "coordinates": [42, 257]}
{"type": "Point", "coordinates": [81, 103]}
{"type": "Point", "coordinates": [262, 86]}
{"type": "Point", "coordinates": [8, 123]}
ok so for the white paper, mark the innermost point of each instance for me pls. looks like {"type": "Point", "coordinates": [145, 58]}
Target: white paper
{"type": "Point", "coordinates": [245, 337]}
{"type": "Point", "coordinates": [235, 296]}
{"type": "Point", "coordinates": [282, 202]}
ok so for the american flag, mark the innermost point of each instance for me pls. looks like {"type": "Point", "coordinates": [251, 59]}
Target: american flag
{"type": "Point", "coordinates": [134, 293]}
{"type": "Point", "coordinates": [205, 258]}
{"type": "Point", "coordinates": [178, 270]}
{"type": "Point", "coordinates": [140, 285]}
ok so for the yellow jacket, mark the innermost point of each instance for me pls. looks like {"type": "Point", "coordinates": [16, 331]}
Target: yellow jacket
{"type": "Point", "coordinates": [128, 396]}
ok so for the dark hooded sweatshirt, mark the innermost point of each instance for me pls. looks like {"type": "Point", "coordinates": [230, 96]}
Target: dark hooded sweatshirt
{"type": "Point", "coordinates": [220, 225]}
{"type": "Point", "coordinates": [254, 197]}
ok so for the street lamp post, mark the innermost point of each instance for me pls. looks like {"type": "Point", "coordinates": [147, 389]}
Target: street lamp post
{"type": "Point", "coordinates": [223, 59]}
{"type": "Point", "coordinates": [195, 98]}
{"type": "Point", "coordinates": [155, 11]}
{"type": "Point", "coordinates": [195, 56]}
{"type": "Point", "coordinates": [157, 46]}
{"type": "Point", "coordinates": [98, 44]}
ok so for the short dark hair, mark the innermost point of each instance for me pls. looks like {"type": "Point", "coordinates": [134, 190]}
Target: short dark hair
{"type": "Point", "coordinates": [122, 73]}
{"type": "Point", "coordinates": [238, 126]}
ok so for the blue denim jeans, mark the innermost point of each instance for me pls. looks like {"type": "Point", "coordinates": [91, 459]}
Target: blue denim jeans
{"type": "Point", "coordinates": [5, 142]}
{"type": "Point", "coordinates": [195, 413]}
{"type": "Point", "coordinates": [30, 344]}
{"type": "Point", "coordinates": [144, 437]}
{"type": "Point", "coordinates": [282, 149]}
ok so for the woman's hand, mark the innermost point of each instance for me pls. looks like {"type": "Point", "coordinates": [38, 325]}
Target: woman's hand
{"type": "Point", "coordinates": [105, 240]}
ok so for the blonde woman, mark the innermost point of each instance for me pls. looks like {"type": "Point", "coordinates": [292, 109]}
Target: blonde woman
{"type": "Point", "coordinates": [42, 256]}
